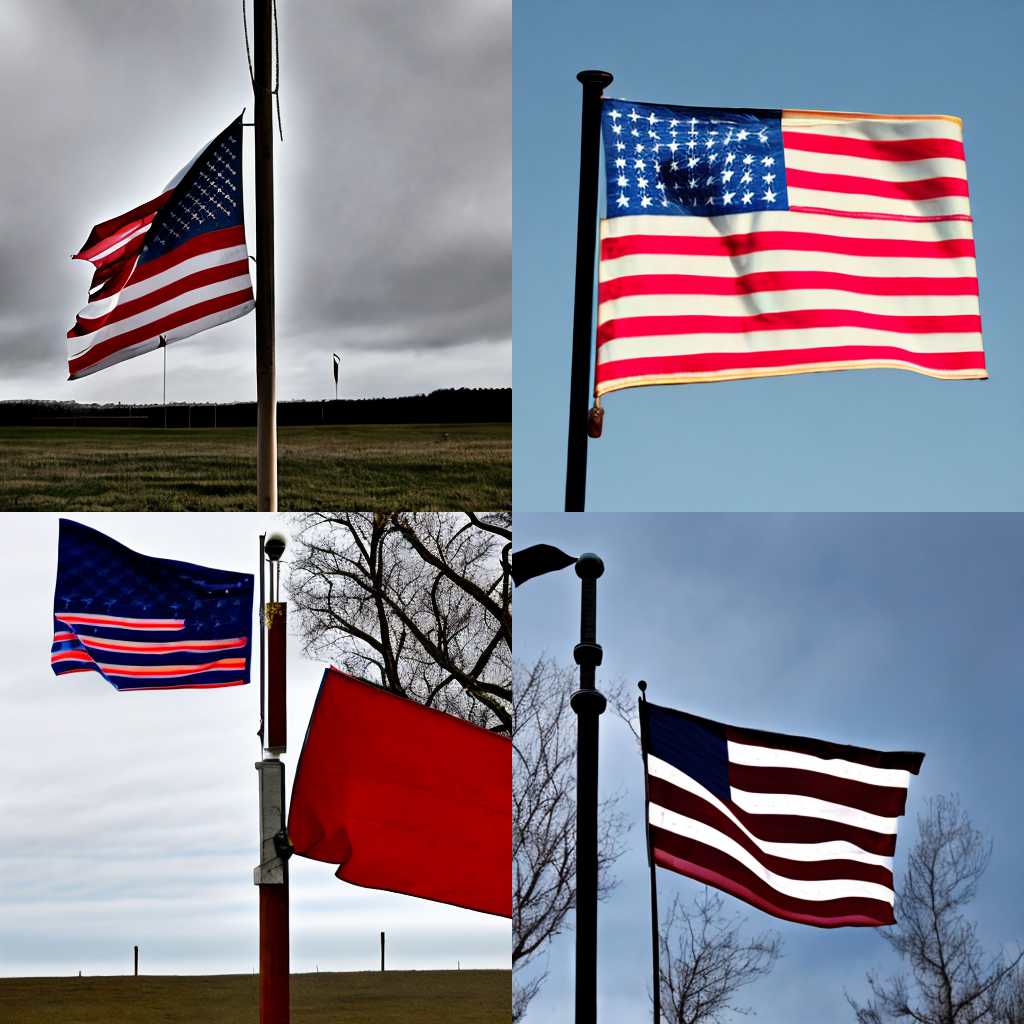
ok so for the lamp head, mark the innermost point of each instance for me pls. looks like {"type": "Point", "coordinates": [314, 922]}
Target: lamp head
{"type": "Point", "coordinates": [274, 545]}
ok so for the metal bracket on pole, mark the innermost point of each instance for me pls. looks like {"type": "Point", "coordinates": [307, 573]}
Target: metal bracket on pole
{"type": "Point", "coordinates": [274, 848]}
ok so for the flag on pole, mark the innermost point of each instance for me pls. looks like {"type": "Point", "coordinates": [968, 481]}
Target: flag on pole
{"type": "Point", "coordinates": [404, 798]}
{"type": "Point", "coordinates": [753, 243]}
{"type": "Point", "coordinates": [173, 266]}
{"type": "Point", "coordinates": [147, 623]}
{"type": "Point", "coordinates": [800, 828]}
{"type": "Point", "coordinates": [537, 560]}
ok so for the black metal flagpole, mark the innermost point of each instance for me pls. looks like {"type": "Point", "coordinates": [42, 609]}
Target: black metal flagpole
{"type": "Point", "coordinates": [588, 703]}
{"type": "Point", "coordinates": [655, 937]}
{"type": "Point", "coordinates": [594, 83]}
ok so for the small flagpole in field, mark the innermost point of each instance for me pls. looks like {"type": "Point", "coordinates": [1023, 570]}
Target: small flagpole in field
{"type": "Point", "coordinates": [266, 380]}
{"type": "Point", "coordinates": [655, 939]}
{"type": "Point", "coordinates": [163, 345]}
{"type": "Point", "coordinates": [594, 83]}
{"type": "Point", "coordinates": [337, 361]}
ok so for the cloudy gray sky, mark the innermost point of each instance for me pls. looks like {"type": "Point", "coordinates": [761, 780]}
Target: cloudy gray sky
{"type": "Point", "coordinates": [394, 230]}
{"type": "Point", "coordinates": [891, 631]}
{"type": "Point", "coordinates": [132, 818]}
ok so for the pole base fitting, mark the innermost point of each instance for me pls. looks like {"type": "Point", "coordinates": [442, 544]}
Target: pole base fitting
{"type": "Point", "coordinates": [588, 654]}
{"type": "Point", "coordinates": [588, 702]}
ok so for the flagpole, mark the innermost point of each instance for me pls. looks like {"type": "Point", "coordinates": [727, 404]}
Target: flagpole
{"type": "Point", "coordinates": [655, 938]}
{"type": "Point", "coordinates": [266, 382]}
{"type": "Point", "coordinates": [588, 704]}
{"type": "Point", "coordinates": [163, 345]}
{"type": "Point", "coordinates": [594, 83]}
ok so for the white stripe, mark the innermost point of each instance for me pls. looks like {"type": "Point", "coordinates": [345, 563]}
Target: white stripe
{"type": "Point", "coordinates": [203, 261]}
{"type": "Point", "coordinates": [768, 757]}
{"type": "Point", "coordinates": [772, 341]}
{"type": "Point", "coordinates": [811, 807]}
{"type": "Point", "coordinates": [149, 344]}
{"type": "Point", "coordinates": [794, 851]}
{"type": "Point", "coordinates": [757, 303]}
{"type": "Point", "coordinates": [169, 671]}
{"type": "Point", "coordinates": [121, 243]}
{"type": "Point", "coordinates": [852, 201]}
{"type": "Point", "coordinates": [119, 621]}
{"type": "Point", "coordinates": [786, 220]}
{"type": "Point", "coordinates": [801, 889]}
{"type": "Point", "coordinates": [873, 128]}
{"type": "Point", "coordinates": [880, 170]}
{"type": "Point", "coordinates": [83, 343]}
{"type": "Point", "coordinates": [784, 259]}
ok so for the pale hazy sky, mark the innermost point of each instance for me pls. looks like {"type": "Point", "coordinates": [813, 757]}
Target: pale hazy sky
{"type": "Point", "coordinates": [132, 817]}
{"type": "Point", "coordinates": [393, 185]}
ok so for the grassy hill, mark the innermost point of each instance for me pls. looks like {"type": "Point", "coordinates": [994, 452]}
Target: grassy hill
{"type": "Point", "coordinates": [369, 997]}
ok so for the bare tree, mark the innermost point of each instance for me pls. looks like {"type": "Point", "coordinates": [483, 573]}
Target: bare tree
{"type": "Point", "coordinates": [417, 601]}
{"type": "Point", "coordinates": [705, 960]}
{"type": "Point", "coordinates": [544, 818]}
{"type": "Point", "coordinates": [949, 978]}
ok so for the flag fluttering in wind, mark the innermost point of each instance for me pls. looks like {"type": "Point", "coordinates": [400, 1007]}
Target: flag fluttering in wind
{"type": "Point", "coordinates": [404, 798]}
{"type": "Point", "coordinates": [147, 623]}
{"type": "Point", "coordinates": [172, 267]}
{"type": "Point", "coordinates": [537, 560]}
{"type": "Point", "coordinates": [800, 828]}
{"type": "Point", "coordinates": [752, 243]}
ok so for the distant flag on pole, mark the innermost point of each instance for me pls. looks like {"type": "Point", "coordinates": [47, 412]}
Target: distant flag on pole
{"type": "Point", "coordinates": [404, 797]}
{"type": "Point", "coordinates": [337, 361]}
{"type": "Point", "coordinates": [753, 243]}
{"type": "Point", "coordinates": [147, 623]}
{"type": "Point", "coordinates": [537, 560]}
{"type": "Point", "coordinates": [174, 266]}
{"type": "Point", "coordinates": [800, 828]}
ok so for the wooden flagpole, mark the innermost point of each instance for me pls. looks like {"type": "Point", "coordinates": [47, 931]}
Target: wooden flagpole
{"type": "Point", "coordinates": [266, 380]}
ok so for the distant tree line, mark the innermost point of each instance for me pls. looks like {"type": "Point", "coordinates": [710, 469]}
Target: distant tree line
{"type": "Point", "coordinates": [453, 405]}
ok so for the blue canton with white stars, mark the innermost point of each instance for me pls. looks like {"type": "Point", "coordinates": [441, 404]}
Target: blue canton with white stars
{"type": "Point", "coordinates": [692, 161]}
{"type": "Point", "coordinates": [210, 200]}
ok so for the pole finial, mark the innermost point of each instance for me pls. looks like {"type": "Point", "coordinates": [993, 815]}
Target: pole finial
{"type": "Point", "coordinates": [642, 685]}
{"type": "Point", "coordinates": [593, 77]}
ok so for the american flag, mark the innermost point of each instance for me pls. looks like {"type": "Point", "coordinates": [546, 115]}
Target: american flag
{"type": "Point", "coordinates": [800, 828]}
{"type": "Point", "coordinates": [147, 623]}
{"type": "Point", "coordinates": [753, 243]}
{"type": "Point", "coordinates": [173, 266]}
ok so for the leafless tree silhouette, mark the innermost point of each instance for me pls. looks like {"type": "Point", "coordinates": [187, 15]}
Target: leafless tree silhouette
{"type": "Point", "coordinates": [705, 960]}
{"type": "Point", "coordinates": [419, 602]}
{"type": "Point", "coordinates": [949, 977]}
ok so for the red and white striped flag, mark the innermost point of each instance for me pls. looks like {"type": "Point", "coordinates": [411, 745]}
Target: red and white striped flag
{"type": "Point", "coordinates": [170, 268]}
{"type": "Point", "coordinates": [800, 828]}
{"type": "Point", "coordinates": [753, 243]}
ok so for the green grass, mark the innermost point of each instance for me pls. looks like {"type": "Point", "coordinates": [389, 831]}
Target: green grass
{"type": "Point", "coordinates": [365, 466]}
{"type": "Point", "coordinates": [394, 997]}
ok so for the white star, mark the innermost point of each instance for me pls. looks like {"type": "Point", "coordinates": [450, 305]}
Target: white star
{"type": "Point", "coordinates": [729, 157]}
{"type": "Point", "coordinates": [634, 116]}
{"type": "Point", "coordinates": [673, 123]}
{"type": "Point", "coordinates": [620, 163]}
{"type": "Point", "coordinates": [692, 161]}
{"type": "Point", "coordinates": [638, 165]}
{"type": "Point", "coordinates": [635, 133]}
{"type": "Point", "coordinates": [674, 166]}
{"type": "Point", "coordinates": [623, 181]}
{"type": "Point", "coordinates": [746, 178]}
{"type": "Point", "coordinates": [712, 157]}
{"type": "Point", "coordinates": [653, 119]}
{"type": "Point", "coordinates": [638, 147]}
{"type": "Point", "coordinates": [742, 134]}
{"type": "Point", "coordinates": [693, 123]}
{"type": "Point", "coordinates": [692, 182]}
{"type": "Point", "coordinates": [645, 202]}
{"type": "Point", "coordinates": [767, 178]}
{"type": "Point", "coordinates": [748, 160]}
{"type": "Point", "coordinates": [727, 176]}
{"type": "Point", "coordinates": [727, 198]}
{"type": "Point", "coordinates": [641, 183]}
{"type": "Point", "coordinates": [769, 196]}
{"type": "Point", "coordinates": [623, 200]}
{"type": "Point", "coordinates": [710, 201]}
{"type": "Point", "coordinates": [660, 186]}
{"type": "Point", "coordinates": [617, 129]}
{"type": "Point", "coordinates": [711, 180]}
{"type": "Point", "coordinates": [620, 146]}
{"type": "Point", "coordinates": [762, 136]}
{"type": "Point", "coordinates": [673, 146]}
{"type": "Point", "coordinates": [709, 142]}
{"type": "Point", "coordinates": [747, 196]}
{"type": "Point", "coordinates": [767, 161]}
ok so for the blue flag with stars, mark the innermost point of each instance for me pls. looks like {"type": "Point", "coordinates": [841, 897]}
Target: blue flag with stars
{"type": "Point", "coordinates": [147, 623]}
{"type": "Point", "coordinates": [692, 161]}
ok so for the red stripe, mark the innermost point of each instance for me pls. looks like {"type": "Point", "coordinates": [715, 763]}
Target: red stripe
{"type": "Point", "coordinates": [158, 327]}
{"type": "Point", "coordinates": [926, 188]}
{"type": "Point", "coordinates": [725, 874]}
{"type": "Point", "coordinates": [189, 670]}
{"type": "Point", "coordinates": [790, 241]}
{"type": "Point", "coordinates": [897, 150]}
{"type": "Point", "coordinates": [864, 215]}
{"type": "Point", "coordinates": [664, 794]}
{"type": "Point", "coordinates": [710, 362]}
{"type": "Point", "coordinates": [201, 278]}
{"type": "Point", "coordinates": [886, 801]}
{"type": "Point", "coordinates": [780, 281]}
{"type": "Point", "coordinates": [179, 686]}
{"type": "Point", "coordinates": [109, 228]}
{"type": "Point", "coordinates": [79, 618]}
{"type": "Point", "coordinates": [791, 320]}
{"type": "Point", "coordinates": [69, 656]}
{"type": "Point", "coordinates": [106, 243]}
{"type": "Point", "coordinates": [104, 644]}
{"type": "Point", "coordinates": [208, 241]}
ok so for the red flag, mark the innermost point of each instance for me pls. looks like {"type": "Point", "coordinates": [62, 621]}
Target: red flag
{"type": "Point", "coordinates": [404, 798]}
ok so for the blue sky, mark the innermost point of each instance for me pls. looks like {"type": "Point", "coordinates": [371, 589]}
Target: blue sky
{"type": "Point", "coordinates": [863, 440]}
{"type": "Point", "coordinates": [895, 631]}
{"type": "Point", "coordinates": [132, 817]}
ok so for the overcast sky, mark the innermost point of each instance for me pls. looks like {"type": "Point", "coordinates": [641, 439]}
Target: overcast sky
{"type": "Point", "coordinates": [132, 817]}
{"type": "Point", "coordinates": [889, 631]}
{"type": "Point", "coordinates": [393, 186]}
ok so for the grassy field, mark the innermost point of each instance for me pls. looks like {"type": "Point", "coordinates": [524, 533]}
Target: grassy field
{"type": "Point", "coordinates": [394, 997]}
{"type": "Point", "coordinates": [366, 466]}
